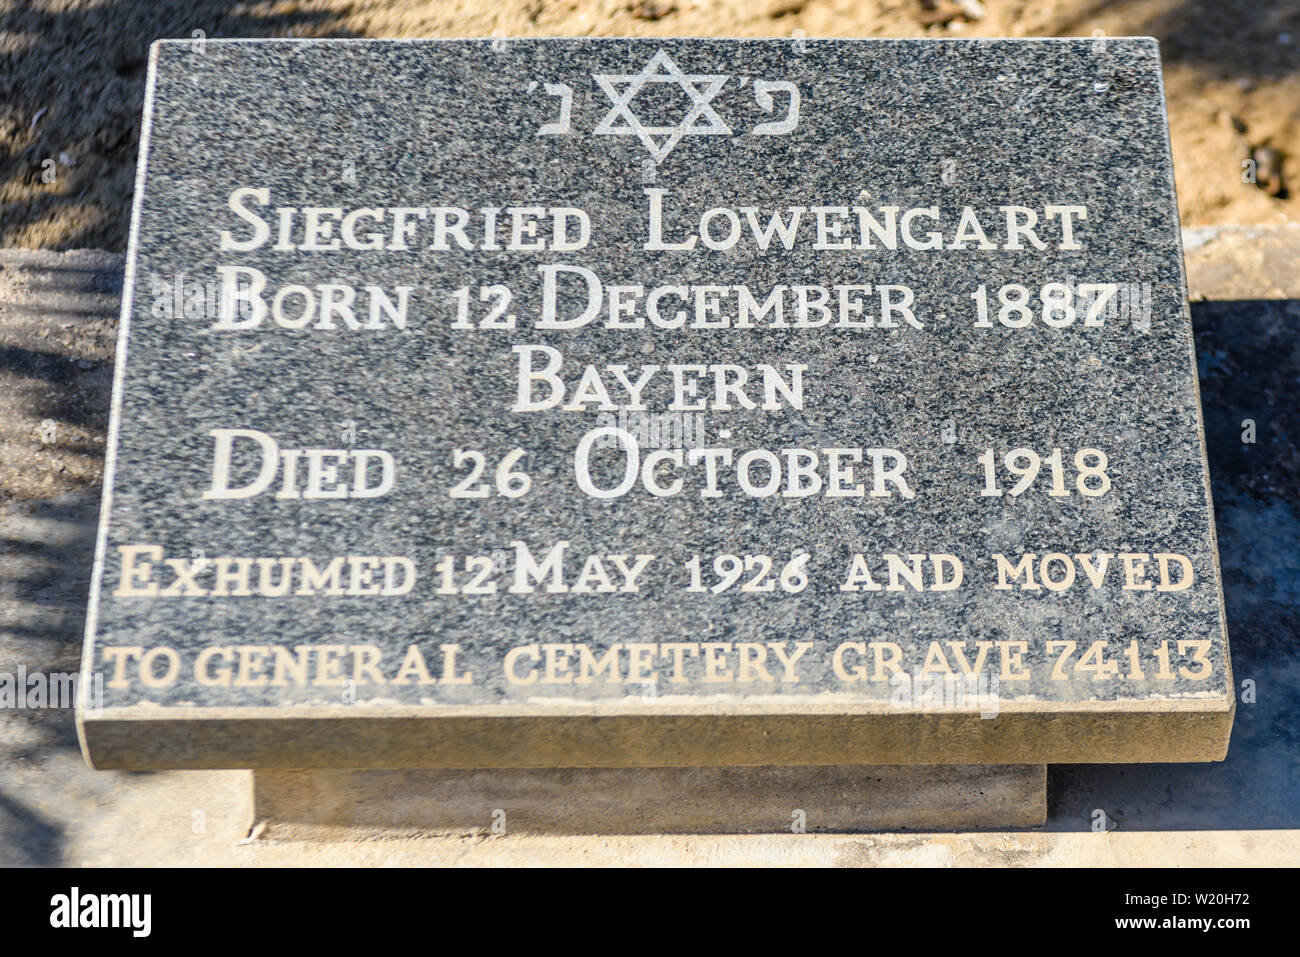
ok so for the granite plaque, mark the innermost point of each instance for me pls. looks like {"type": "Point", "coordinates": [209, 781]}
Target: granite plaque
{"type": "Point", "coordinates": [655, 403]}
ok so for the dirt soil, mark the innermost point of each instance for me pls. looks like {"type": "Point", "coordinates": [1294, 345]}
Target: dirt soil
{"type": "Point", "coordinates": [72, 79]}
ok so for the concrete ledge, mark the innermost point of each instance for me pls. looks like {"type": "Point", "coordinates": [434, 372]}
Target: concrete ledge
{"type": "Point", "coordinates": [360, 805]}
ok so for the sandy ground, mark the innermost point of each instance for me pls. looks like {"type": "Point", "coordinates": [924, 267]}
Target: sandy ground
{"type": "Point", "coordinates": [72, 77]}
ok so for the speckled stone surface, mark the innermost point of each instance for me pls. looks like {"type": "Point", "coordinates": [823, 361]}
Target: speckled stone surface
{"type": "Point", "coordinates": [1085, 673]}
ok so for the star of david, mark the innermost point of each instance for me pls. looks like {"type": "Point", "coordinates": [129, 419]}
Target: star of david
{"type": "Point", "coordinates": [700, 119]}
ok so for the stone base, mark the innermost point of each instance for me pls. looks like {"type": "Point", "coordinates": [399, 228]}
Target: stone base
{"type": "Point", "coordinates": [332, 805]}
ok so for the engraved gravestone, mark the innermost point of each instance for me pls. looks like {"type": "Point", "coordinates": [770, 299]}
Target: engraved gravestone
{"type": "Point", "coordinates": [655, 402]}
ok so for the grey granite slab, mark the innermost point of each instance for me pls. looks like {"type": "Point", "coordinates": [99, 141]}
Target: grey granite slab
{"type": "Point", "coordinates": [412, 633]}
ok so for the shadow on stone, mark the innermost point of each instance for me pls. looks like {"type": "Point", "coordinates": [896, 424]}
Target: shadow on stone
{"type": "Point", "coordinates": [1249, 357]}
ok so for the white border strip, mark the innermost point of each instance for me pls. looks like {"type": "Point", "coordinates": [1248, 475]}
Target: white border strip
{"type": "Point", "coordinates": [115, 406]}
